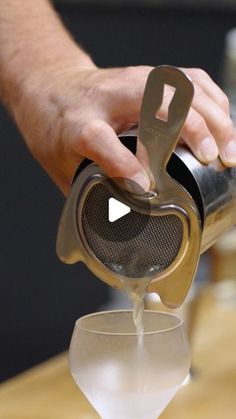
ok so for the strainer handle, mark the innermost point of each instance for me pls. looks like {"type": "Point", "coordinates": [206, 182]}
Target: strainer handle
{"type": "Point", "coordinates": [157, 138]}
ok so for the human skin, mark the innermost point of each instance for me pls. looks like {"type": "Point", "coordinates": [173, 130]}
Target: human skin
{"type": "Point", "coordinates": [67, 108]}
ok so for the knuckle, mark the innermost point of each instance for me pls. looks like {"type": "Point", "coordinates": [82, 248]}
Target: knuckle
{"type": "Point", "coordinates": [136, 73]}
{"type": "Point", "coordinates": [127, 74]}
{"type": "Point", "coordinates": [224, 101]}
{"type": "Point", "coordinates": [129, 71]}
{"type": "Point", "coordinates": [89, 133]}
{"type": "Point", "coordinates": [199, 73]}
{"type": "Point", "coordinates": [198, 92]}
{"type": "Point", "coordinates": [226, 127]}
{"type": "Point", "coordinates": [144, 69]}
{"type": "Point", "coordinates": [133, 82]}
{"type": "Point", "coordinates": [195, 125]}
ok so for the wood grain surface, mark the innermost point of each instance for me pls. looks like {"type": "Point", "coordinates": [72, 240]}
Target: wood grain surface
{"type": "Point", "coordinates": [48, 391]}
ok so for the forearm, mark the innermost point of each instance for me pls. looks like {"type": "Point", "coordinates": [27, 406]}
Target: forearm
{"type": "Point", "coordinates": [32, 40]}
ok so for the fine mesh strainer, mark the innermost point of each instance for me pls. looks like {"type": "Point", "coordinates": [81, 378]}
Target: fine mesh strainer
{"type": "Point", "coordinates": [159, 238]}
{"type": "Point", "coordinates": [124, 246]}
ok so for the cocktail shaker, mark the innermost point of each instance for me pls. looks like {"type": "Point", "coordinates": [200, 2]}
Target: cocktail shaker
{"type": "Point", "coordinates": [188, 207]}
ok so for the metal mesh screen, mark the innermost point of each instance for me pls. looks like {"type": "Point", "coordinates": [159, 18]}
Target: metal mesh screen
{"type": "Point", "coordinates": [135, 245]}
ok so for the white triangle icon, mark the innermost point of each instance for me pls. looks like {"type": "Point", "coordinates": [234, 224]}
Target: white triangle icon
{"type": "Point", "coordinates": [116, 210]}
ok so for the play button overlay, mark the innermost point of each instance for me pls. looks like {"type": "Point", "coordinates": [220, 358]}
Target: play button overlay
{"type": "Point", "coordinates": [107, 220]}
{"type": "Point", "coordinates": [116, 210]}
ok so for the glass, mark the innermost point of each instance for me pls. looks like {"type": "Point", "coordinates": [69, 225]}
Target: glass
{"type": "Point", "coordinates": [123, 376]}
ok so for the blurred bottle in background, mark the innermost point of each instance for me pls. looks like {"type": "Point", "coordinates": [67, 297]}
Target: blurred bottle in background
{"type": "Point", "coordinates": [223, 257]}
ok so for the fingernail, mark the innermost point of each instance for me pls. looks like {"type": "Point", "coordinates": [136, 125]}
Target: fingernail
{"type": "Point", "coordinates": [208, 149]}
{"type": "Point", "coordinates": [230, 152]}
{"type": "Point", "coordinates": [142, 181]}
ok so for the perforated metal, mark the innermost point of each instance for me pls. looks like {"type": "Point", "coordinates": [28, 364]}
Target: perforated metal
{"type": "Point", "coordinates": [135, 245]}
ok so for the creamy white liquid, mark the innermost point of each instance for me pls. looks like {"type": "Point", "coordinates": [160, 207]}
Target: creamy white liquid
{"type": "Point", "coordinates": [136, 293]}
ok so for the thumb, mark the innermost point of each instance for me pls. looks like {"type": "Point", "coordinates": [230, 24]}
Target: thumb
{"type": "Point", "coordinates": [99, 142]}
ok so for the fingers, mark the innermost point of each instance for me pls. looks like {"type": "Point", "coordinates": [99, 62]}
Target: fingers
{"type": "Point", "coordinates": [211, 89]}
{"type": "Point", "coordinates": [196, 133]}
{"type": "Point", "coordinates": [98, 142]}
{"type": "Point", "coordinates": [198, 137]}
{"type": "Point", "coordinates": [209, 128]}
{"type": "Point", "coordinates": [220, 126]}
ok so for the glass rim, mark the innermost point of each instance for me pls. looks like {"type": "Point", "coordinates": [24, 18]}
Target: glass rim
{"type": "Point", "coordinates": [130, 311]}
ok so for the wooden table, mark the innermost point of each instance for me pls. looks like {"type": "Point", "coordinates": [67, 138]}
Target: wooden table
{"type": "Point", "coordinates": [48, 392]}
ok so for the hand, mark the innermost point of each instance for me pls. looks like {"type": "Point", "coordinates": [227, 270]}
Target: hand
{"type": "Point", "coordinates": [68, 113]}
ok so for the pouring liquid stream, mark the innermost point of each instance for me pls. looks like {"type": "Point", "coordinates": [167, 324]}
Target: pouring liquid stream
{"type": "Point", "coordinates": [136, 293]}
